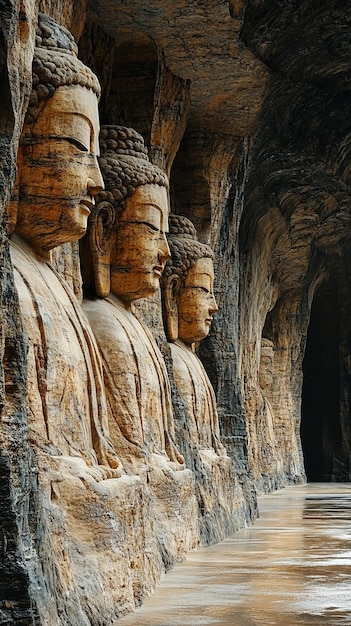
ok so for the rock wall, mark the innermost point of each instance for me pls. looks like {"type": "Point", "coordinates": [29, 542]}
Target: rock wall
{"type": "Point", "coordinates": [17, 565]}
{"type": "Point", "coordinates": [246, 106]}
{"type": "Point", "coordinates": [296, 226]}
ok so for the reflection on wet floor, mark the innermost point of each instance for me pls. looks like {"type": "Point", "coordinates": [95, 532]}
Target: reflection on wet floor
{"type": "Point", "coordinates": [292, 567]}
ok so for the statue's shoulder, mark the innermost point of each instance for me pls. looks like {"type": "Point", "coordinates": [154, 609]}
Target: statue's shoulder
{"type": "Point", "coordinates": [180, 360]}
{"type": "Point", "coordinates": [110, 326]}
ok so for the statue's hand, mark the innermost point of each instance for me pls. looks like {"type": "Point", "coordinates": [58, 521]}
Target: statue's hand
{"type": "Point", "coordinates": [77, 466]}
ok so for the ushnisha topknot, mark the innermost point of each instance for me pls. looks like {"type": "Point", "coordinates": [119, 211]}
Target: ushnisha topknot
{"type": "Point", "coordinates": [55, 64]}
{"type": "Point", "coordinates": [184, 246]}
{"type": "Point", "coordinates": [125, 165]}
{"type": "Point", "coordinates": [121, 140]}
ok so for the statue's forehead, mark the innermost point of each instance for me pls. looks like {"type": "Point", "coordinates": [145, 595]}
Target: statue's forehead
{"type": "Point", "coordinates": [148, 201]}
{"type": "Point", "coordinates": [71, 108]}
{"type": "Point", "coordinates": [201, 270]}
{"type": "Point", "coordinates": [150, 194]}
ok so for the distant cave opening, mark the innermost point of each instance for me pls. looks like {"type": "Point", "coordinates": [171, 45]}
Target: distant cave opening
{"type": "Point", "coordinates": [320, 414]}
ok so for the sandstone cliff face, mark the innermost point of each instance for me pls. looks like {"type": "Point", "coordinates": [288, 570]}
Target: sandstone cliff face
{"type": "Point", "coordinates": [246, 106]}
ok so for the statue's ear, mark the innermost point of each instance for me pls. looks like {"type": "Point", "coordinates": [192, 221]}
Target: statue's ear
{"type": "Point", "coordinates": [100, 228]}
{"type": "Point", "coordinates": [170, 292]}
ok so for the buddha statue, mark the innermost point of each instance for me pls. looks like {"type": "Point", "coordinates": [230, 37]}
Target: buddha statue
{"type": "Point", "coordinates": [58, 178]}
{"type": "Point", "coordinates": [127, 243]}
{"type": "Point", "coordinates": [188, 307]}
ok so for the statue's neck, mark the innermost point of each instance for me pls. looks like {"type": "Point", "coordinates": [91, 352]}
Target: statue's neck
{"type": "Point", "coordinates": [126, 305]}
{"type": "Point", "coordinates": [41, 255]}
{"type": "Point", "coordinates": [190, 347]}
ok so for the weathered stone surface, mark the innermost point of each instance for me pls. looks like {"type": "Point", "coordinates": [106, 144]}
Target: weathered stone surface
{"type": "Point", "coordinates": [246, 106]}
{"type": "Point", "coordinates": [16, 566]}
{"type": "Point", "coordinates": [294, 232]}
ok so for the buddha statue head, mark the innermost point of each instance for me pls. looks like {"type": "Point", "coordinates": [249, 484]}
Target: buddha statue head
{"type": "Point", "coordinates": [58, 172]}
{"type": "Point", "coordinates": [127, 227]}
{"type": "Point", "coordinates": [188, 301]}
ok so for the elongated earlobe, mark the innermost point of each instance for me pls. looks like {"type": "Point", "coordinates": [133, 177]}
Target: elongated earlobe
{"type": "Point", "coordinates": [100, 227]}
{"type": "Point", "coordinates": [170, 293]}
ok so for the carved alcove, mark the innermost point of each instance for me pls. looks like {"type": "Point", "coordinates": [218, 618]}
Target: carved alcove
{"type": "Point", "coordinates": [190, 189]}
{"type": "Point", "coordinates": [127, 65]}
{"type": "Point", "coordinates": [133, 78]}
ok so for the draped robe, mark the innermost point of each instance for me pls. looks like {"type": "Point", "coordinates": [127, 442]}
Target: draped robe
{"type": "Point", "coordinates": [196, 390]}
{"type": "Point", "coordinates": [136, 381]}
{"type": "Point", "coordinates": [67, 410]}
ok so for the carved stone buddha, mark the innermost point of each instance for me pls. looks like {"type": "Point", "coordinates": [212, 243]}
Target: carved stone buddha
{"type": "Point", "coordinates": [188, 307]}
{"type": "Point", "coordinates": [58, 177]}
{"type": "Point", "coordinates": [128, 245]}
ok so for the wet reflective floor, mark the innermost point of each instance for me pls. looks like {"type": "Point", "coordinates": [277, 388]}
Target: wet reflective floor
{"type": "Point", "coordinates": [292, 567]}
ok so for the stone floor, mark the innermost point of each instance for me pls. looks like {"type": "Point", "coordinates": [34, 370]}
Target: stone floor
{"type": "Point", "coordinates": [292, 567]}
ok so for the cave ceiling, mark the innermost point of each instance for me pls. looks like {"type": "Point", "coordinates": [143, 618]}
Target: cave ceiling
{"type": "Point", "coordinates": [278, 71]}
{"type": "Point", "coordinates": [200, 41]}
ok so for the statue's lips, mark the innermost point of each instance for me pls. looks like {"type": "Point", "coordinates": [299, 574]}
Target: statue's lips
{"type": "Point", "coordinates": [208, 320]}
{"type": "Point", "coordinates": [158, 269]}
{"type": "Point", "coordinates": [88, 205]}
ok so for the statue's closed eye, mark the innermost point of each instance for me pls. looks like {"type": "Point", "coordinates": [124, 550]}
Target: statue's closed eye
{"type": "Point", "coordinates": [152, 227]}
{"type": "Point", "coordinates": [31, 139]}
{"type": "Point", "coordinates": [203, 290]}
{"type": "Point", "coordinates": [77, 143]}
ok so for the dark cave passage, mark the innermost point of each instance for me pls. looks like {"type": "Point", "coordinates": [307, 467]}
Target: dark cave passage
{"type": "Point", "coordinates": [320, 414]}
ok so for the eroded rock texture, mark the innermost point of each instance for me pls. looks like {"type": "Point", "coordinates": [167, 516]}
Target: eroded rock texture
{"type": "Point", "coordinates": [294, 240]}
{"type": "Point", "coordinates": [246, 107]}
{"type": "Point", "coordinates": [16, 603]}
